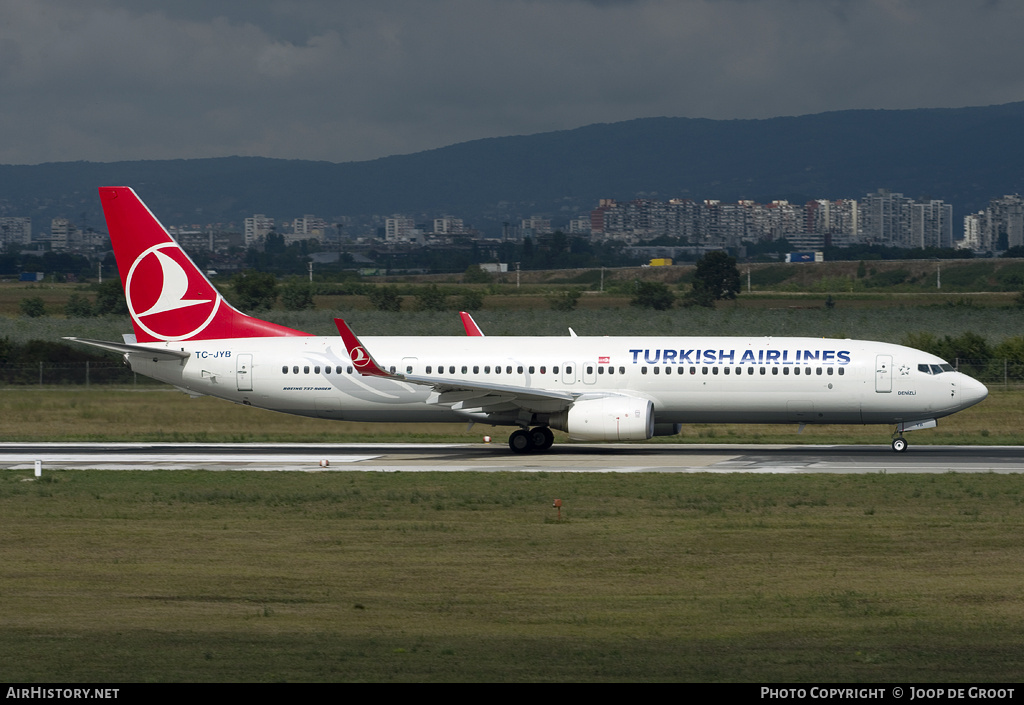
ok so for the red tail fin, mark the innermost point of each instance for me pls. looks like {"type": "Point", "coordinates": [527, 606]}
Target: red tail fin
{"type": "Point", "coordinates": [168, 297]}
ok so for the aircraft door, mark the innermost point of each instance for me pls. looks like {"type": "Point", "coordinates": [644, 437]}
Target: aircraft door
{"type": "Point", "coordinates": [243, 372]}
{"type": "Point", "coordinates": [883, 373]}
{"type": "Point", "coordinates": [568, 373]}
{"type": "Point", "coordinates": [589, 373]}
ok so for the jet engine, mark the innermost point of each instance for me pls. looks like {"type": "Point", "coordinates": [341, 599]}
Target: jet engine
{"type": "Point", "coordinates": [612, 418]}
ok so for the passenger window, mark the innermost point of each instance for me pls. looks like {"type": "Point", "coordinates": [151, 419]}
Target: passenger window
{"type": "Point", "coordinates": [408, 369]}
{"type": "Point", "coordinates": [643, 370]}
{"type": "Point", "coordinates": [284, 370]}
{"type": "Point", "coordinates": [842, 371]}
{"type": "Point", "coordinates": [763, 370]}
{"type": "Point", "coordinates": [785, 370]}
{"type": "Point", "coordinates": [693, 370]}
{"type": "Point", "coordinates": [568, 370]}
{"type": "Point", "coordinates": [531, 369]}
{"type": "Point", "coordinates": [725, 370]}
{"type": "Point", "coordinates": [305, 370]}
{"type": "Point", "coordinates": [316, 369]}
{"type": "Point", "coordinates": [476, 369]}
{"type": "Point", "coordinates": [429, 368]}
{"type": "Point", "coordinates": [519, 370]}
{"type": "Point", "coordinates": [554, 371]}
{"type": "Point", "coordinates": [750, 370]}
{"type": "Point", "coordinates": [819, 370]}
{"type": "Point", "coordinates": [714, 370]}
{"type": "Point", "coordinates": [543, 370]}
{"type": "Point", "coordinates": [704, 370]}
{"type": "Point", "coordinates": [622, 370]}
{"type": "Point", "coordinates": [657, 370]}
{"type": "Point", "coordinates": [465, 369]}
{"type": "Point", "coordinates": [668, 370]}
{"type": "Point", "coordinates": [830, 370]}
{"type": "Point", "coordinates": [392, 369]}
{"type": "Point", "coordinates": [600, 369]}
{"type": "Point", "coordinates": [775, 370]}
{"type": "Point", "coordinates": [295, 370]}
{"type": "Point", "coordinates": [349, 369]}
{"type": "Point", "coordinates": [590, 369]}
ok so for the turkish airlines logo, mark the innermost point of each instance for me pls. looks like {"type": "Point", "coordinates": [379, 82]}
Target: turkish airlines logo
{"type": "Point", "coordinates": [360, 358]}
{"type": "Point", "coordinates": [162, 298]}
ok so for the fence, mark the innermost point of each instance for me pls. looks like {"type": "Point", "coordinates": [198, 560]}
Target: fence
{"type": "Point", "coordinates": [77, 373]}
{"type": "Point", "coordinates": [995, 371]}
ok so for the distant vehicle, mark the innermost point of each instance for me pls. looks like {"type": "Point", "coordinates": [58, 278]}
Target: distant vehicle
{"type": "Point", "coordinates": [594, 388]}
{"type": "Point", "coordinates": [805, 257]}
{"type": "Point", "coordinates": [31, 277]}
{"type": "Point", "coordinates": [661, 262]}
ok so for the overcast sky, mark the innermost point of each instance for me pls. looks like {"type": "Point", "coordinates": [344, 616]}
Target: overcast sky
{"type": "Point", "coordinates": [108, 80]}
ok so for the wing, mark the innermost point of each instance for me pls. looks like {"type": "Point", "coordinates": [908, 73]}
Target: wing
{"type": "Point", "coordinates": [469, 396]}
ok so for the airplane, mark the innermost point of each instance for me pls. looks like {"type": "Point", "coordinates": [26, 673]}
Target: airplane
{"type": "Point", "coordinates": [627, 388]}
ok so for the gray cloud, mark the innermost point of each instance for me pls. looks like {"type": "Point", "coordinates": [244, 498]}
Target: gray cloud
{"type": "Point", "coordinates": [340, 81]}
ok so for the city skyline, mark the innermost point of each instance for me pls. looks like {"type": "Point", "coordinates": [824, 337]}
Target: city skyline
{"type": "Point", "coordinates": [883, 217]}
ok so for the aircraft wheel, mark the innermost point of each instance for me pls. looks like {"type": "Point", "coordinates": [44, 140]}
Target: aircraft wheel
{"type": "Point", "coordinates": [899, 445]}
{"type": "Point", "coordinates": [520, 442]}
{"type": "Point", "coordinates": [542, 438]}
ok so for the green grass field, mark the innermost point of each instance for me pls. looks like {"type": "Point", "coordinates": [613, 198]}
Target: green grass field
{"type": "Point", "coordinates": [199, 576]}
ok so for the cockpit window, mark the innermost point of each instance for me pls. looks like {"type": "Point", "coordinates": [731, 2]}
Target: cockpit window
{"type": "Point", "coordinates": [946, 367]}
{"type": "Point", "coordinates": [936, 370]}
{"type": "Point", "coordinates": [924, 368]}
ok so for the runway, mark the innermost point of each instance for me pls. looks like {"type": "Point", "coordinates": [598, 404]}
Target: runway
{"type": "Point", "coordinates": [478, 457]}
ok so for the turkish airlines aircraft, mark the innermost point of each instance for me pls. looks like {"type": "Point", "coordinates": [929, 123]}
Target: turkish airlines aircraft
{"type": "Point", "coordinates": [594, 388]}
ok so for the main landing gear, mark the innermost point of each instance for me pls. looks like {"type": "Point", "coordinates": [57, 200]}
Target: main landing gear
{"type": "Point", "coordinates": [535, 439]}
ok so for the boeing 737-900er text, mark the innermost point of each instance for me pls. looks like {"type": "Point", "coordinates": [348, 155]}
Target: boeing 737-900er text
{"type": "Point", "coordinates": [594, 388]}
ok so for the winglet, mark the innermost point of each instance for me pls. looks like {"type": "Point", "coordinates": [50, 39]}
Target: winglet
{"type": "Point", "coordinates": [472, 329]}
{"type": "Point", "coordinates": [361, 359]}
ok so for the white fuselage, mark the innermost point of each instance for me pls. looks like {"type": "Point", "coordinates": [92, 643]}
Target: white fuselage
{"type": "Point", "coordinates": [688, 379]}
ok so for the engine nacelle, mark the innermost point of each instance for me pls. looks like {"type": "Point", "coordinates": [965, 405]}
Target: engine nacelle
{"type": "Point", "coordinates": [616, 418]}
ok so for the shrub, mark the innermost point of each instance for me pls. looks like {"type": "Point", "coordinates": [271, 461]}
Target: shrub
{"type": "Point", "coordinates": [471, 301]}
{"type": "Point", "coordinates": [431, 298]}
{"type": "Point", "coordinates": [32, 307]}
{"type": "Point", "coordinates": [653, 295]}
{"type": "Point", "coordinates": [564, 300]}
{"type": "Point", "coordinates": [297, 296]}
{"type": "Point", "coordinates": [78, 307]}
{"type": "Point", "coordinates": [254, 291]}
{"type": "Point", "coordinates": [385, 298]}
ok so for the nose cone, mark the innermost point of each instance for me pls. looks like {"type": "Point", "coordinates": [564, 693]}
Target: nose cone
{"type": "Point", "coordinates": [971, 391]}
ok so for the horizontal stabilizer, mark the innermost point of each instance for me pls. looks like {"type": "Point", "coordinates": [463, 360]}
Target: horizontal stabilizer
{"type": "Point", "coordinates": [156, 353]}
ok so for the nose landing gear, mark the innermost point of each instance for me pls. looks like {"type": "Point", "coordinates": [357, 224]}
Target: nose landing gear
{"type": "Point", "coordinates": [899, 444]}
